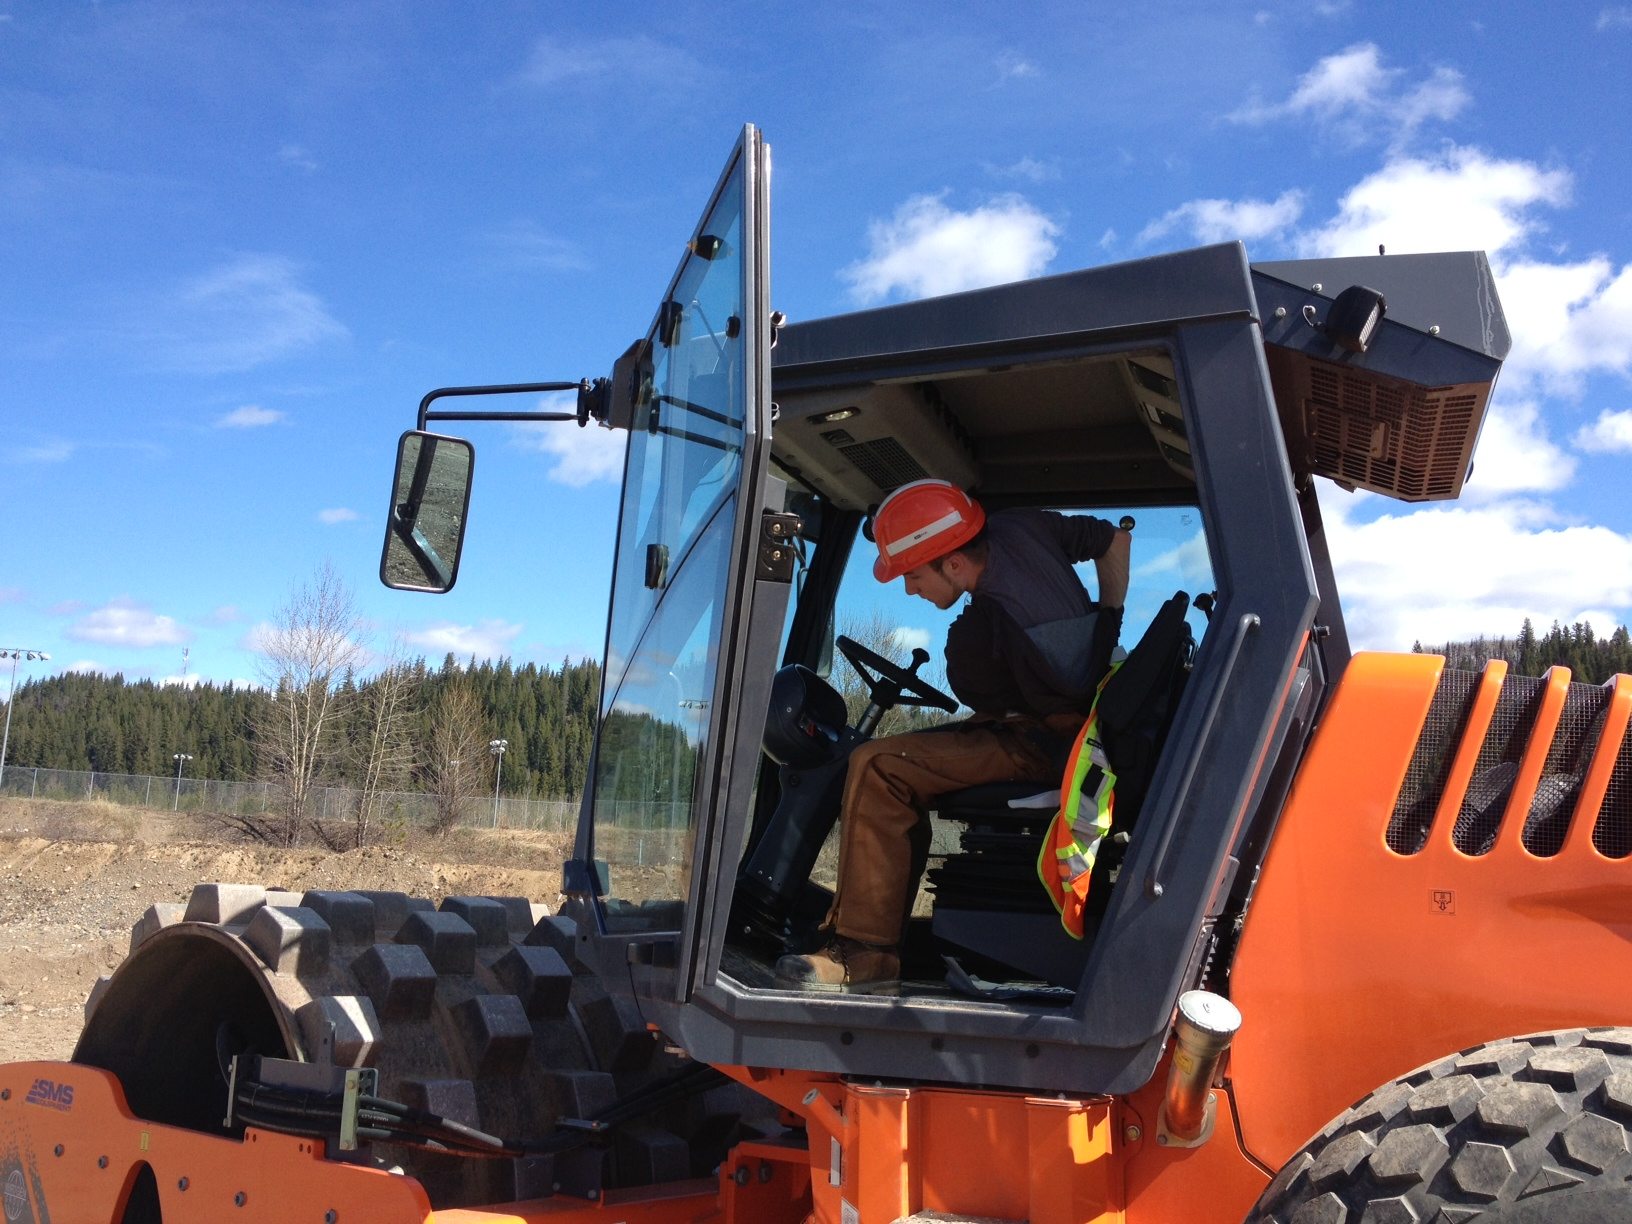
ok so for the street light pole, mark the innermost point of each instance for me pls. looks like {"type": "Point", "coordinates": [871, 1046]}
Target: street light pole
{"type": "Point", "coordinates": [14, 653]}
{"type": "Point", "coordinates": [181, 759]}
{"type": "Point", "coordinates": [497, 747]}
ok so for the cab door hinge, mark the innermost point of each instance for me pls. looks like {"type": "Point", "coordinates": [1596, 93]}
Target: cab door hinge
{"type": "Point", "coordinates": [778, 534]}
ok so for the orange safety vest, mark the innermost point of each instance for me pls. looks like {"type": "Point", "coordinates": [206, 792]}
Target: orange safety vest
{"type": "Point", "coordinates": [1065, 864]}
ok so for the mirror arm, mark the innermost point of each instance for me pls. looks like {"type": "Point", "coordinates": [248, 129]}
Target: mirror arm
{"type": "Point", "coordinates": [584, 388]}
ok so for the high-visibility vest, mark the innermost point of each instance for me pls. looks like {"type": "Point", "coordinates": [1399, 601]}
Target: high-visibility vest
{"type": "Point", "coordinates": [1065, 864]}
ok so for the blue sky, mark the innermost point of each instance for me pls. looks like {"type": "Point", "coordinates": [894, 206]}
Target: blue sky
{"type": "Point", "coordinates": [238, 241]}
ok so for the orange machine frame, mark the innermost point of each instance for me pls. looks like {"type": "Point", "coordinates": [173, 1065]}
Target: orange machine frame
{"type": "Point", "coordinates": [874, 1152]}
{"type": "Point", "coordinates": [1358, 964]}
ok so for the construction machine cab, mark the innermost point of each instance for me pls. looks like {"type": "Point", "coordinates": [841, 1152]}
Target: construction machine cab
{"type": "Point", "coordinates": [1191, 391]}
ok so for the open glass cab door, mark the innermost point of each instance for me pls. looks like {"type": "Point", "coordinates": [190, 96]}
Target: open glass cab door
{"type": "Point", "coordinates": [693, 494]}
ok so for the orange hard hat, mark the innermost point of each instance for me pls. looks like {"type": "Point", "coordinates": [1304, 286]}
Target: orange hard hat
{"type": "Point", "coordinates": [921, 522]}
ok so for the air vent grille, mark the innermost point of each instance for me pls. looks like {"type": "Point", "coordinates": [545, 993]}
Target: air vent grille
{"type": "Point", "coordinates": [1431, 762]}
{"type": "Point", "coordinates": [1576, 741]}
{"type": "Point", "coordinates": [1579, 726]}
{"type": "Point", "coordinates": [1498, 765]}
{"type": "Point", "coordinates": [1411, 442]}
{"type": "Point", "coordinates": [1613, 833]}
{"type": "Point", "coordinates": [884, 461]}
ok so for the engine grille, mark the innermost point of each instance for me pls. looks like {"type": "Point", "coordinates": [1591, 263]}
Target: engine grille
{"type": "Point", "coordinates": [1436, 748]}
{"type": "Point", "coordinates": [1613, 833]}
{"type": "Point", "coordinates": [1575, 743]}
{"type": "Point", "coordinates": [1498, 765]}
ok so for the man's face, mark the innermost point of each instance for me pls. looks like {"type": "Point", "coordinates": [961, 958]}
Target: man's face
{"type": "Point", "coordinates": [932, 582]}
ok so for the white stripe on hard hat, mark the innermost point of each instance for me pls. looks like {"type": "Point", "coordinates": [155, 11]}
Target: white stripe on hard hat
{"type": "Point", "coordinates": [945, 523]}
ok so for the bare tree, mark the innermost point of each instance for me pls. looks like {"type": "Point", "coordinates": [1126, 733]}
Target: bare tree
{"type": "Point", "coordinates": [382, 758]}
{"type": "Point", "coordinates": [454, 770]}
{"type": "Point", "coordinates": [307, 655]}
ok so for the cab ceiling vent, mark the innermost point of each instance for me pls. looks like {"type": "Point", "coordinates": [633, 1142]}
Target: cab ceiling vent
{"type": "Point", "coordinates": [1367, 431]}
{"type": "Point", "coordinates": [883, 461]}
{"type": "Point", "coordinates": [857, 441]}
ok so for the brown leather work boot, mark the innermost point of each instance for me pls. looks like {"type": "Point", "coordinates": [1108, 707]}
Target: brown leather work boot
{"type": "Point", "coordinates": [844, 964]}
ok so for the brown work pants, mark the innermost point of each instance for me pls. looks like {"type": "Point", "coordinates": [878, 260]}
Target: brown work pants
{"type": "Point", "coordinates": [883, 832]}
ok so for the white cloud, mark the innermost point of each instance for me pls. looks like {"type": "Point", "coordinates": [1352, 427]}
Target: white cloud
{"type": "Point", "coordinates": [250, 310]}
{"type": "Point", "coordinates": [905, 639]}
{"type": "Point", "coordinates": [1011, 65]}
{"type": "Point", "coordinates": [250, 416]}
{"type": "Point", "coordinates": [125, 623]}
{"type": "Point", "coordinates": [1031, 169]}
{"type": "Point", "coordinates": [596, 61]}
{"type": "Point", "coordinates": [1353, 95]}
{"type": "Point", "coordinates": [524, 244]}
{"type": "Point", "coordinates": [491, 639]}
{"type": "Point", "coordinates": [1612, 431]}
{"type": "Point", "coordinates": [339, 514]}
{"type": "Point", "coordinates": [55, 450]}
{"type": "Point", "coordinates": [1451, 573]}
{"type": "Point", "coordinates": [297, 158]}
{"type": "Point", "coordinates": [1228, 220]}
{"type": "Point", "coordinates": [1615, 17]}
{"type": "Point", "coordinates": [1567, 320]}
{"type": "Point", "coordinates": [582, 456]}
{"type": "Point", "coordinates": [1462, 199]}
{"type": "Point", "coordinates": [1186, 564]}
{"type": "Point", "coordinates": [928, 249]}
{"type": "Point", "coordinates": [1515, 454]}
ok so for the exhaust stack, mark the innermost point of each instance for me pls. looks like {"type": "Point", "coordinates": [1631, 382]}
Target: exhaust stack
{"type": "Point", "coordinates": [1206, 1025]}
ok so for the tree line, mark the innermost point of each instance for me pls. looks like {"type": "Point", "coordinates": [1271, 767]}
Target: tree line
{"type": "Point", "coordinates": [1591, 659]}
{"type": "Point", "coordinates": [111, 725]}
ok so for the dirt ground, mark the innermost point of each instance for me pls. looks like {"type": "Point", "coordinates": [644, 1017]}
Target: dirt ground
{"type": "Point", "coordinates": [78, 875]}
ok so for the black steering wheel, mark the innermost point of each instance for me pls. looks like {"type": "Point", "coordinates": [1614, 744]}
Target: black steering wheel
{"type": "Point", "coordinates": [889, 684]}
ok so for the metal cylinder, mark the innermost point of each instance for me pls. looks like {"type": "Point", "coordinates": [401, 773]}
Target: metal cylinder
{"type": "Point", "coordinates": [1205, 1027]}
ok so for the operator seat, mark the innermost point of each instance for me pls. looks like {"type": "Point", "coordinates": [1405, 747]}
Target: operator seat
{"type": "Point", "coordinates": [988, 899]}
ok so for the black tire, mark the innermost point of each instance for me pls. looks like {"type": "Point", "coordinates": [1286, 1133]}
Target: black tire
{"type": "Point", "coordinates": [1522, 1131]}
{"type": "Point", "coordinates": [479, 1010]}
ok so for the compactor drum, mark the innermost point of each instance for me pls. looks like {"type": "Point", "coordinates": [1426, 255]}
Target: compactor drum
{"type": "Point", "coordinates": [476, 1011]}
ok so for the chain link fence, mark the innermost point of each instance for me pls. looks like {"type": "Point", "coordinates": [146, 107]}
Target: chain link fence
{"type": "Point", "coordinates": [329, 803]}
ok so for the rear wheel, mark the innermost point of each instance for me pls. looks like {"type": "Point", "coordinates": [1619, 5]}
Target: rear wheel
{"type": "Point", "coordinates": [478, 1010]}
{"type": "Point", "coordinates": [1526, 1130]}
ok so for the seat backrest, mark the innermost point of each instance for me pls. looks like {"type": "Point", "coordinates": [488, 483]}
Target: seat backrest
{"type": "Point", "coordinates": [1139, 701]}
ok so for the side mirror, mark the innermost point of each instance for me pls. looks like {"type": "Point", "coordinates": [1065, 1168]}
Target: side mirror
{"type": "Point", "coordinates": [425, 525]}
